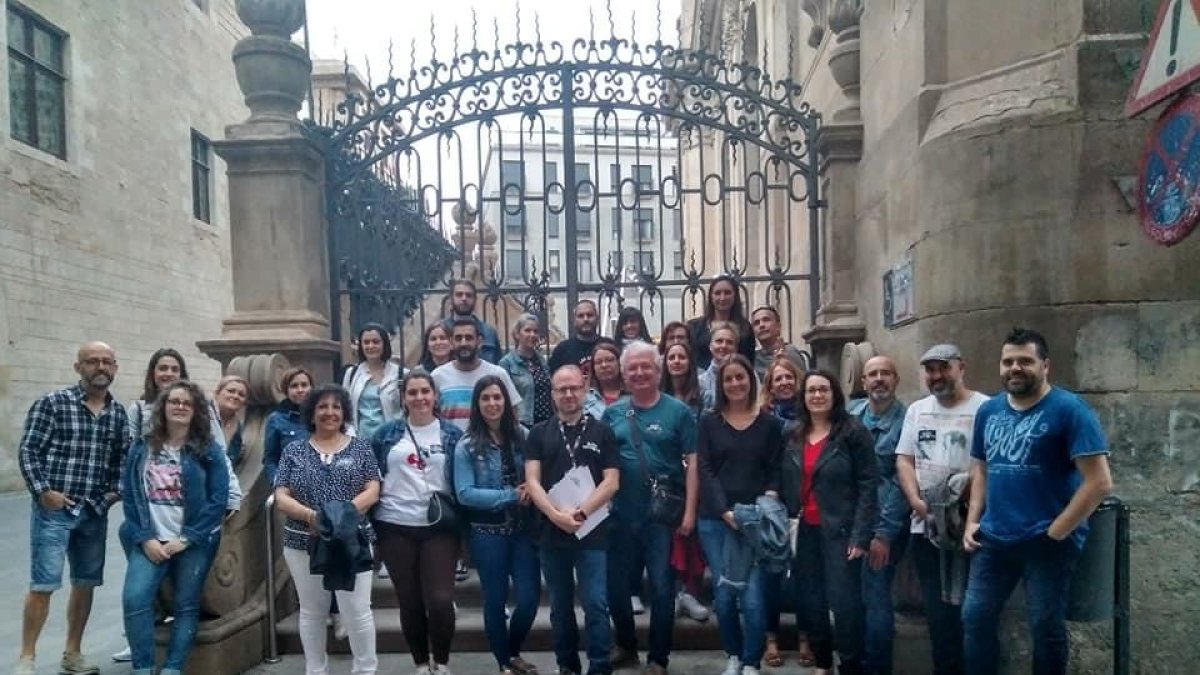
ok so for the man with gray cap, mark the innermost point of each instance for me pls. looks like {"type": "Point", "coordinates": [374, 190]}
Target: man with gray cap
{"type": "Point", "coordinates": [934, 448]}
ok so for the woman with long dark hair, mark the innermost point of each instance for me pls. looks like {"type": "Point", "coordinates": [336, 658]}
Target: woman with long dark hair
{"type": "Point", "coordinates": [489, 481]}
{"type": "Point", "coordinates": [373, 383]}
{"type": "Point", "coordinates": [321, 478]}
{"type": "Point", "coordinates": [436, 347]}
{"type": "Point", "coordinates": [631, 325]}
{"type": "Point", "coordinates": [680, 378]}
{"type": "Point", "coordinates": [174, 486]}
{"type": "Point", "coordinates": [739, 455]}
{"type": "Point", "coordinates": [723, 302]}
{"type": "Point", "coordinates": [675, 332]}
{"type": "Point", "coordinates": [606, 384]}
{"type": "Point", "coordinates": [166, 366]}
{"type": "Point", "coordinates": [419, 545]}
{"type": "Point", "coordinates": [284, 425]}
{"type": "Point", "coordinates": [829, 483]}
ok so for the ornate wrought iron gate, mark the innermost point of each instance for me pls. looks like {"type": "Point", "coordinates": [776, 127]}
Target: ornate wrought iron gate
{"type": "Point", "coordinates": [631, 173]}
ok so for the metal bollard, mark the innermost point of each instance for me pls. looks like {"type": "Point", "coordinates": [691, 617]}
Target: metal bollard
{"type": "Point", "coordinates": [272, 641]}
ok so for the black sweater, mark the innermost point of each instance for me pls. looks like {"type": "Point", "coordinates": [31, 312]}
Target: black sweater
{"type": "Point", "coordinates": [737, 467]}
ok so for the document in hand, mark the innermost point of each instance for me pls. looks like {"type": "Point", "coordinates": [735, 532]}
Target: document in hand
{"type": "Point", "coordinates": [570, 492]}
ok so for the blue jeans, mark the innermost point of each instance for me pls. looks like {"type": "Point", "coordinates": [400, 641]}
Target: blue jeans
{"type": "Point", "coordinates": [743, 634]}
{"type": "Point", "coordinates": [57, 537]}
{"type": "Point", "coordinates": [943, 618]}
{"type": "Point", "coordinates": [1046, 567]}
{"type": "Point", "coordinates": [498, 559]}
{"type": "Point", "coordinates": [880, 617]}
{"type": "Point", "coordinates": [187, 570]}
{"type": "Point", "coordinates": [627, 539]}
{"type": "Point", "coordinates": [561, 566]}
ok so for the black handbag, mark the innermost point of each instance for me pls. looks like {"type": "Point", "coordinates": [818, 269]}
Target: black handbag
{"type": "Point", "coordinates": [666, 493]}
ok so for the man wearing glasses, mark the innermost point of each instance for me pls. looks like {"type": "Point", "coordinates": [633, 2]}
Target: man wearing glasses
{"type": "Point", "coordinates": [70, 456]}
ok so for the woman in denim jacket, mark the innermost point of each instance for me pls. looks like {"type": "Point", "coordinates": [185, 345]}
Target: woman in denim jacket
{"type": "Point", "coordinates": [528, 369]}
{"type": "Point", "coordinates": [489, 482]}
{"type": "Point", "coordinates": [284, 424]}
{"type": "Point", "coordinates": [174, 485]}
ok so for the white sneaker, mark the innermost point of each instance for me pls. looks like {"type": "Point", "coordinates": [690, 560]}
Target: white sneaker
{"type": "Point", "coordinates": [441, 669]}
{"type": "Point", "coordinates": [733, 667]}
{"type": "Point", "coordinates": [638, 607]}
{"type": "Point", "coordinates": [423, 669]}
{"type": "Point", "coordinates": [123, 656]}
{"type": "Point", "coordinates": [25, 667]}
{"type": "Point", "coordinates": [749, 670]}
{"type": "Point", "coordinates": [382, 573]}
{"type": "Point", "coordinates": [687, 604]}
{"type": "Point", "coordinates": [339, 628]}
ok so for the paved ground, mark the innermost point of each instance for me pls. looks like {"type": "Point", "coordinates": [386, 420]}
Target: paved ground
{"type": "Point", "coordinates": [105, 635]}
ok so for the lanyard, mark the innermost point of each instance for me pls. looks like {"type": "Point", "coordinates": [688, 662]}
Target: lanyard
{"type": "Point", "coordinates": [572, 448]}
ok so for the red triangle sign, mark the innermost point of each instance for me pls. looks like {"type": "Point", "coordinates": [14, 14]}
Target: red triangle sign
{"type": "Point", "coordinates": [1172, 57]}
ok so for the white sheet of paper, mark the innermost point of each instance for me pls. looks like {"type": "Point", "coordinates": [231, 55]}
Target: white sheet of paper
{"type": "Point", "coordinates": [574, 488]}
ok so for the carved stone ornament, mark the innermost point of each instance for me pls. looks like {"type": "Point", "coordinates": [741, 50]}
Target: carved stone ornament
{"type": "Point", "coordinates": [272, 71]}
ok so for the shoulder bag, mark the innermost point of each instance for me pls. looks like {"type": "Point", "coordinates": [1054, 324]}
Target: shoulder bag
{"type": "Point", "coordinates": [666, 494]}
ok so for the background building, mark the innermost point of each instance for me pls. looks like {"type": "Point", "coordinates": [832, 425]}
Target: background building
{"type": "Point", "coordinates": [113, 205]}
{"type": "Point", "coordinates": [973, 152]}
{"type": "Point", "coordinates": [629, 222]}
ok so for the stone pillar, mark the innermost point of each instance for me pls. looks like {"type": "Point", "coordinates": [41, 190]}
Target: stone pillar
{"type": "Point", "coordinates": [840, 147]}
{"type": "Point", "coordinates": [276, 202]}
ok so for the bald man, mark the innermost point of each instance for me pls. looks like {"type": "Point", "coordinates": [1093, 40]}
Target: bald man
{"type": "Point", "coordinates": [71, 452]}
{"type": "Point", "coordinates": [883, 415]}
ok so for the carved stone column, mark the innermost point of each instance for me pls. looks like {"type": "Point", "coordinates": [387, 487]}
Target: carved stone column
{"type": "Point", "coordinates": [844, 57]}
{"type": "Point", "coordinates": [276, 202]}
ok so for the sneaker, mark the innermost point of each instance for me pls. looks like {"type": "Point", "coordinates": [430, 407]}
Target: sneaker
{"type": "Point", "coordinates": [423, 669]}
{"type": "Point", "coordinates": [733, 666]}
{"type": "Point", "coordinates": [460, 571]}
{"type": "Point", "coordinates": [339, 628]}
{"type": "Point", "coordinates": [687, 604]}
{"type": "Point", "coordinates": [653, 668]}
{"type": "Point", "coordinates": [73, 664]}
{"type": "Point", "coordinates": [520, 666]}
{"type": "Point", "coordinates": [638, 607]}
{"type": "Point", "coordinates": [441, 669]}
{"type": "Point", "coordinates": [619, 657]}
{"type": "Point", "coordinates": [123, 656]}
{"type": "Point", "coordinates": [749, 670]}
{"type": "Point", "coordinates": [25, 667]}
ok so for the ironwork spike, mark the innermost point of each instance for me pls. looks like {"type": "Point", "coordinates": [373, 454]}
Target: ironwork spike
{"type": "Point", "coordinates": [537, 28]}
{"type": "Point", "coordinates": [592, 23]}
{"type": "Point", "coordinates": [633, 26]}
{"type": "Point", "coordinates": [456, 38]}
{"type": "Point", "coordinates": [391, 58]}
{"type": "Point", "coordinates": [791, 60]}
{"type": "Point", "coordinates": [612, 26]}
{"type": "Point", "coordinates": [518, 22]}
{"type": "Point", "coordinates": [496, 32]}
{"type": "Point", "coordinates": [370, 81]}
{"type": "Point", "coordinates": [474, 29]}
{"type": "Point", "coordinates": [412, 55]}
{"type": "Point", "coordinates": [432, 39]}
{"type": "Point", "coordinates": [658, 20]}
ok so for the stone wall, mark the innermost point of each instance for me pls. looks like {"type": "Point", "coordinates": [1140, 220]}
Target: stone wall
{"type": "Point", "coordinates": [103, 245]}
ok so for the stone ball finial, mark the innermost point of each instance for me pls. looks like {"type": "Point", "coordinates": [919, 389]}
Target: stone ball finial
{"type": "Point", "coordinates": [463, 213]}
{"type": "Point", "coordinates": [277, 18]}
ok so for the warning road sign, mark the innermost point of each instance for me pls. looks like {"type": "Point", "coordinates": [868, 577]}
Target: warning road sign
{"type": "Point", "coordinates": [1172, 57]}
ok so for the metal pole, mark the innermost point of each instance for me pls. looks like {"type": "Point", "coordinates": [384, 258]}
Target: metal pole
{"type": "Point", "coordinates": [272, 640]}
{"type": "Point", "coordinates": [571, 194]}
{"type": "Point", "coordinates": [1121, 655]}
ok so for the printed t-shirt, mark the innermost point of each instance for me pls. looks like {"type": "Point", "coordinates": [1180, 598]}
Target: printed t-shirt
{"type": "Point", "coordinates": [414, 473]}
{"type": "Point", "coordinates": [939, 440]}
{"type": "Point", "coordinates": [456, 386]}
{"type": "Point", "coordinates": [668, 435]}
{"type": "Point", "coordinates": [163, 477]}
{"type": "Point", "coordinates": [597, 450]}
{"type": "Point", "coordinates": [1030, 455]}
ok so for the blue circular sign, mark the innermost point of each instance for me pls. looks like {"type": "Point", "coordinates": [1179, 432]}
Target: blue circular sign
{"type": "Point", "coordinates": [1169, 189]}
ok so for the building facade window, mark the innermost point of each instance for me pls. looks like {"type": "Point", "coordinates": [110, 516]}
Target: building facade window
{"type": "Point", "coordinates": [554, 266]}
{"type": "Point", "coordinates": [644, 177]}
{"type": "Point", "coordinates": [616, 223]}
{"type": "Point", "coordinates": [36, 81]}
{"type": "Point", "coordinates": [643, 224]}
{"type": "Point", "coordinates": [677, 224]}
{"type": "Point", "coordinates": [550, 173]}
{"type": "Point", "coordinates": [678, 259]}
{"type": "Point", "coordinates": [201, 177]}
{"type": "Point", "coordinates": [585, 265]}
{"type": "Point", "coordinates": [512, 184]}
{"type": "Point", "coordinates": [514, 265]}
{"type": "Point", "coordinates": [643, 262]}
{"type": "Point", "coordinates": [614, 176]}
{"type": "Point", "coordinates": [583, 219]}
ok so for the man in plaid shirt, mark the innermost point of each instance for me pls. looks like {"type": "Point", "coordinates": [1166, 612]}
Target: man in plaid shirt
{"type": "Point", "coordinates": [71, 453]}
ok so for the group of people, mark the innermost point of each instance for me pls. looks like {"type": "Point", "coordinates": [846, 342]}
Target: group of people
{"type": "Point", "coordinates": [614, 472]}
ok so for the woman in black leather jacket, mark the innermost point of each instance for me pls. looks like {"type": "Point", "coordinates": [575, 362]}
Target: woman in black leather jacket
{"type": "Point", "coordinates": [829, 476]}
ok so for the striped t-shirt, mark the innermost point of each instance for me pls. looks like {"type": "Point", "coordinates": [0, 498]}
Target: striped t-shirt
{"type": "Point", "coordinates": [455, 388]}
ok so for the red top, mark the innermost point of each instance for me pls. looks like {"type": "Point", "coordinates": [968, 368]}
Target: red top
{"type": "Point", "coordinates": [809, 512]}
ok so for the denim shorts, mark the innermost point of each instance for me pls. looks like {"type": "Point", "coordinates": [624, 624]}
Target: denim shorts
{"type": "Point", "coordinates": [58, 536]}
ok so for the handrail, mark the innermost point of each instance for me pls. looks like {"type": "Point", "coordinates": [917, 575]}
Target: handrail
{"type": "Point", "coordinates": [272, 639]}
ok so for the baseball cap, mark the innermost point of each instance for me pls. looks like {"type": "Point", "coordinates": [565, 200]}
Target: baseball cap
{"type": "Point", "coordinates": [945, 352]}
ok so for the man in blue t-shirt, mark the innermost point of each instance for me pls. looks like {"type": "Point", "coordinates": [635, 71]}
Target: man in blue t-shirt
{"type": "Point", "coordinates": [1039, 468]}
{"type": "Point", "coordinates": [661, 429]}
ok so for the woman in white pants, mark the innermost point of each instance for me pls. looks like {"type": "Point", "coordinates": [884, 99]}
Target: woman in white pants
{"type": "Point", "coordinates": [330, 466]}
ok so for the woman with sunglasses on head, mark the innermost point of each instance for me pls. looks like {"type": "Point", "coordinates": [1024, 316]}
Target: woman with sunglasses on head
{"type": "Point", "coordinates": [723, 341]}
{"type": "Point", "coordinates": [529, 372]}
{"type": "Point", "coordinates": [418, 530]}
{"type": "Point", "coordinates": [327, 481]}
{"type": "Point", "coordinates": [489, 482]}
{"type": "Point", "coordinates": [174, 486]}
{"type": "Point", "coordinates": [723, 302]}
{"type": "Point", "coordinates": [829, 483]}
{"type": "Point", "coordinates": [373, 383]}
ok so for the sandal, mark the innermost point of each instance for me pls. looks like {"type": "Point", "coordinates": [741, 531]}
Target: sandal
{"type": "Point", "coordinates": [771, 657]}
{"type": "Point", "coordinates": [805, 654]}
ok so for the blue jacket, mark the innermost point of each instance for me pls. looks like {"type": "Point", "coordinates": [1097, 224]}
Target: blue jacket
{"type": "Point", "coordinates": [478, 475]}
{"type": "Point", "coordinates": [524, 381]}
{"type": "Point", "coordinates": [489, 341]}
{"type": "Point", "coordinates": [283, 426]}
{"type": "Point", "coordinates": [893, 506]}
{"type": "Point", "coordinates": [205, 491]}
{"type": "Point", "coordinates": [390, 434]}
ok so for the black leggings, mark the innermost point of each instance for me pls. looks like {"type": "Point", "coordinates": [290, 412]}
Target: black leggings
{"type": "Point", "coordinates": [420, 563]}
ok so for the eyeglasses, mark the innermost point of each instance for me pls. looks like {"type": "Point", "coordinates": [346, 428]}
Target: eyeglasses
{"type": "Point", "coordinates": [817, 390]}
{"type": "Point", "coordinates": [567, 390]}
{"type": "Point", "coordinates": [179, 402]}
{"type": "Point", "coordinates": [93, 362]}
